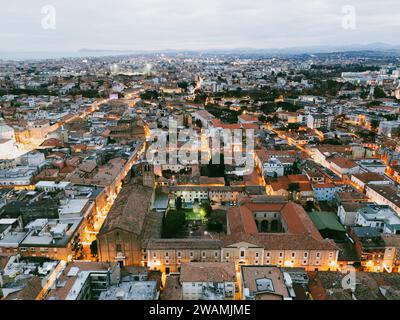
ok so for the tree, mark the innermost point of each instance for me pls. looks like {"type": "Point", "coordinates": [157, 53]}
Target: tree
{"type": "Point", "coordinates": [287, 106]}
{"type": "Point", "coordinates": [294, 187]}
{"type": "Point", "coordinates": [93, 248]}
{"type": "Point", "coordinates": [216, 170]}
{"type": "Point", "coordinates": [293, 126]}
{"type": "Point", "coordinates": [178, 203]}
{"type": "Point", "coordinates": [310, 206]}
{"type": "Point", "coordinates": [183, 85]}
{"type": "Point", "coordinates": [205, 210]}
{"type": "Point", "coordinates": [199, 123]}
{"type": "Point", "coordinates": [379, 93]}
{"type": "Point", "coordinates": [295, 169]}
{"type": "Point", "coordinates": [262, 118]}
{"type": "Point", "coordinates": [374, 124]}
{"type": "Point", "coordinates": [215, 226]}
{"type": "Point", "coordinates": [173, 224]}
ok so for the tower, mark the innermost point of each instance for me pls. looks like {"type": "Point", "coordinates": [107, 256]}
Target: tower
{"type": "Point", "coordinates": [148, 175]}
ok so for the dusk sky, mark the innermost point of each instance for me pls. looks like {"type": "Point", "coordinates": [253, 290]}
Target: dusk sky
{"type": "Point", "coordinates": [189, 24]}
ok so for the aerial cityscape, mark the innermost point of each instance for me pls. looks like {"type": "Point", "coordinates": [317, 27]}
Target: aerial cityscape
{"type": "Point", "coordinates": [200, 174]}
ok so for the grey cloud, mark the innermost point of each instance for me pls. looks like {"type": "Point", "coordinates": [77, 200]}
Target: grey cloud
{"type": "Point", "coordinates": [189, 24]}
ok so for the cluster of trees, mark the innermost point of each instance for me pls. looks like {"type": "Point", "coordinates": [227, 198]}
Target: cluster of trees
{"type": "Point", "coordinates": [150, 95]}
{"type": "Point", "coordinates": [214, 170]}
{"type": "Point", "coordinates": [173, 224]}
{"type": "Point", "coordinates": [229, 116]}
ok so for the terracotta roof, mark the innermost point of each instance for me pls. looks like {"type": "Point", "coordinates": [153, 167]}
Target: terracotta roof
{"type": "Point", "coordinates": [248, 118]}
{"type": "Point", "coordinates": [241, 218]}
{"type": "Point", "coordinates": [129, 210]}
{"type": "Point", "coordinates": [344, 163]}
{"type": "Point", "coordinates": [369, 176]}
{"type": "Point", "coordinates": [248, 126]}
{"type": "Point", "coordinates": [280, 241]}
{"type": "Point", "coordinates": [298, 221]}
{"type": "Point", "coordinates": [29, 292]}
{"type": "Point", "coordinates": [264, 154]}
{"type": "Point", "coordinates": [283, 182]}
{"type": "Point", "coordinates": [174, 244]}
{"type": "Point", "coordinates": [208, 272]}
{"type": "Point", "coordinates": [52, 143]}
{"type": "Point", "coordinates": [3, 261]}
{"type": "Point", "coordinates": [212, 181]}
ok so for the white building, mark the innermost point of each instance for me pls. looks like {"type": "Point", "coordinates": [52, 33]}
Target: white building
{"type": "Point", "coordinates": [361, 180]}
{"type": "Point", "coordinates": [266, 283]}
{"type": "Point", "coordinates": [378, 216]}
{"type": "Point", "coordinates": [343, 166]}
{"type": "Point", "coordinates": [272, 167]}
{"type": "Point", "coordinates": [373, 165]}
{"type": "Point", "coordinates": [18, 176]}
{"type": "Point", "coordinates": [324, 191]}
{"type": "Point", "coordinates": [389, 128]}
{"type": "Point", "coordinates": [208, 280]}
{"type": "Point", "coordinates": [384, 195]}
{"type": "Point", "coordinates": [347, 213]}
{"type": "Point", "coordinates": [320, 121]}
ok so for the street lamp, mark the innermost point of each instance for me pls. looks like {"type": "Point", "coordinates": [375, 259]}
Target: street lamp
{"type": "Point", "coordinates": [206, 233]}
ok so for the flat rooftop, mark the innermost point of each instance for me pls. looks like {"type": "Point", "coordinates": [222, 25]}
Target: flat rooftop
{"type": "Point", "coordinates": [133, 290]}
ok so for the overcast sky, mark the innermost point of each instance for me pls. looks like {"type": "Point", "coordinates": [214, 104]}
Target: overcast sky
{"type": "Point", "coordinates": [190, 24]}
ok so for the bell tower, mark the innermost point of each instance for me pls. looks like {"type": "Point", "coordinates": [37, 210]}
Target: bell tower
{"type": "Point", "coordinates": [148, 175]}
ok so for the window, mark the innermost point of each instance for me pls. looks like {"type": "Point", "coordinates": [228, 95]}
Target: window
{"type": "Point", "coordinates": [257, 254]}
{"type": "Point", "coordinates": [154, 255]}
{"type": "Point", "coordinates": [166, 254]}
{"type": "Point", "coordinates": [216, 254]}
{"type": "Point", "coordinates": [242, 253]}
{"type": "Point", "coordinates": [305, 255]}
{"type": "Point", "coordinates": [318, 255]}
{"type": "Point", "coordinates": [203, 254]}
{"type": "Point", "coordinates": [227, 254]}
{"type": "Point", "coordinates": [191, 254]}
{"type": "Point", "coordinates": [268, 261]}
{"type": "Point", "coordinates": [118, 248]}
{"type": "Point", "coordinates": [280, 254]}
{"type": "Point", "coordinates": [293, 254]}
{"type": "Point", "coordinates": [268, 254]}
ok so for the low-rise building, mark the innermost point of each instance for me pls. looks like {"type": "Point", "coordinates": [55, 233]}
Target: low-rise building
{"type": "Point", "coordinates": [208, 280]}
{"type": "Point", "coordinates": [384, 195]}
{"type": "Point", "coordinates": [266, 283]}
